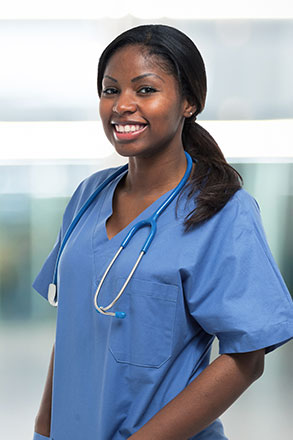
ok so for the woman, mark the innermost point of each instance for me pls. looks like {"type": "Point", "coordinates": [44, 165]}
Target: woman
{"type": "Point", "coordinates": [208, 272]}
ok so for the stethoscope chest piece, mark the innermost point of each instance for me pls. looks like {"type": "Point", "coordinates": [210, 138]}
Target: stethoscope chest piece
{"type": "Point", "coordinates": [52, 295]}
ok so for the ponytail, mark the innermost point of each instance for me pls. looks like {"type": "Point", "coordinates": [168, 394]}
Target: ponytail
{"type": "Point", "coordinates": [213, 181]}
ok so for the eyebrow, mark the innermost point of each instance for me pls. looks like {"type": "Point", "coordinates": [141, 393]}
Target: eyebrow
{"type": "Point", "coordinates": [137, 78]}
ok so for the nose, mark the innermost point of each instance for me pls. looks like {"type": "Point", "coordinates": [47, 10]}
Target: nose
{"type": "Point", "coordinates": [124, 103]}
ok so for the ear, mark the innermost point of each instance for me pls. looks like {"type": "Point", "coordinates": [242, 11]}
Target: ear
{"type": "Point", "coordinates": [188, 109]}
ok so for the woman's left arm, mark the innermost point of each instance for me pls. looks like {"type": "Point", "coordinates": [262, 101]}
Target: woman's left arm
{"type": "Point", "coordinates": [204, 399]}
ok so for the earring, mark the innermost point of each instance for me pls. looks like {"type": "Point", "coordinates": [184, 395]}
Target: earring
{"type": "Point", "coordinates": [190, 113]}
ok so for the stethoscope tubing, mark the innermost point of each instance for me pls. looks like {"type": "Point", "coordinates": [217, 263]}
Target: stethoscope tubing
{"type": "Point", "coordinates": [151, 222]}
{"type": "Point", "coordinates": [82, 211]}
{"type": "Point", "coordinates": [52, 290]}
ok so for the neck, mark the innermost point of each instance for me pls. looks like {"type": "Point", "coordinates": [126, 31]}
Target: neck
{"type": "Point", "coordinates": [153, 176]}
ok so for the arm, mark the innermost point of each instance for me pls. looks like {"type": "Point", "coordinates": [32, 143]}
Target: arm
{"type": "Point", "coordinates": [43, 419]}
{"type": "Point", "coordinates": [204, 399]}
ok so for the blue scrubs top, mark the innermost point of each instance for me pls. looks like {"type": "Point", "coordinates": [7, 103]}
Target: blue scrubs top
{"type": "Point", "coordinates": [217, 280]}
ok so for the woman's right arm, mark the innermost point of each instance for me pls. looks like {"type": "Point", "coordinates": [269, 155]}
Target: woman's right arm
{"type": "Point", "coordinates": [43, 419]}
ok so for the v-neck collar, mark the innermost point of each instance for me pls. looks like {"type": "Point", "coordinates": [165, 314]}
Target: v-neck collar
{"type": "Point", "coordinates": [107, 210]}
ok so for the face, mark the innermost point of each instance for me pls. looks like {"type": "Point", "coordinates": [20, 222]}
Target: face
{"type": "Point", "coordinates": [141, 108]}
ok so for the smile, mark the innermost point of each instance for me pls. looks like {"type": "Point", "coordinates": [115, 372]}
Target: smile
{"type": "Point", "coordinates": [131, 128]}
{"type": "Point", "coordinates": [128, 132]}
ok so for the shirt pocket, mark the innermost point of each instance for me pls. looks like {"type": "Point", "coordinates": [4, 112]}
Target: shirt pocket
{"type": "Point", "coordinates": [145, 336]}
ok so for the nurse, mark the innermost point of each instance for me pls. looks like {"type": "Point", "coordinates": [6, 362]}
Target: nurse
{"type": "Point", "coordinates": [207, 274]}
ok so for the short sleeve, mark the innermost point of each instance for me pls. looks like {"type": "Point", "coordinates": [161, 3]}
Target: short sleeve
{"type": "Point", "coordinates": [239, 294]}
{"type": "Point", "coordinates": [84, 190]}
{"type": "Point", "coordinates": [46, 274]}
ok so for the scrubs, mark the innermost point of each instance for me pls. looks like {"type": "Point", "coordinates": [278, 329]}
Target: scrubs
{"type": "Point", "coordinates": [217, 280]}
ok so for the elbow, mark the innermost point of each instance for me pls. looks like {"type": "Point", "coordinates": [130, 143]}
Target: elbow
{"type": "Point", "coordinates": [251, 364]}
{"type": "Point", "coordinates": [257, 365]}
{"type": "Point", "coordinates": [260, 369]}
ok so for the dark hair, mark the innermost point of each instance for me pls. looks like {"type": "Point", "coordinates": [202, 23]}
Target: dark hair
{"type": "Point", "coordinates": [214, 181]}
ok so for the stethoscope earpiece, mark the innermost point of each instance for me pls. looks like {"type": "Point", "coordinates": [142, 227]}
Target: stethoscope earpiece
{"type": "Point", "coordinates": [52, 295]}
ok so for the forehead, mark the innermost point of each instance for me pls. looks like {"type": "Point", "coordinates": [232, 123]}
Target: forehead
{"type": "Point", "coordinates": [134, 60]}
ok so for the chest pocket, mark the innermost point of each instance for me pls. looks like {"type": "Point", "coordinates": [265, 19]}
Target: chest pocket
{"type": "Point", "coordinates": [145, 336]}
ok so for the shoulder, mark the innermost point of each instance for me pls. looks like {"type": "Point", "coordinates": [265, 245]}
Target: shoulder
{"type": "Point", "coordinates": [90, 184]}
{"type": "Point", "coordinates": [241, 209]}
{"type": "Point", "coordinates": [84, 190]}
{"type": "Point", "coordinates": [246, 201]}
{"type": "Point", "coordinates": [240, 216]}
{"type": "Point", "coordinates": [239, 223]}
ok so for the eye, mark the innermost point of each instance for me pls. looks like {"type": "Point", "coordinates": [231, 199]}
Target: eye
{"type": "Point", "coordinates": [109, 91]}
{"type": "Point", "coordinates": [147, 90]}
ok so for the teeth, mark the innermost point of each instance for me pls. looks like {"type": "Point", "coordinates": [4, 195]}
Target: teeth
{"type": "Point", "coordinates": [128, 128]}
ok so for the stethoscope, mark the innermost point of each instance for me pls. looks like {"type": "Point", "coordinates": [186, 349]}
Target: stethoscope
{"type": "Point", "coordinates": [151, 222]}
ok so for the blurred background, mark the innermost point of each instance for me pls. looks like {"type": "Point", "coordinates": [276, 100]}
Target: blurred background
{"type": "Point", "coordinates": [51, 138]}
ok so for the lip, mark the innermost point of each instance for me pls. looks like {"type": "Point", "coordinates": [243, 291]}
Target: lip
{"type": "Point", "coordinates": [130, 135]}
{"type": "Point", "coordinates": [127, 122]}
